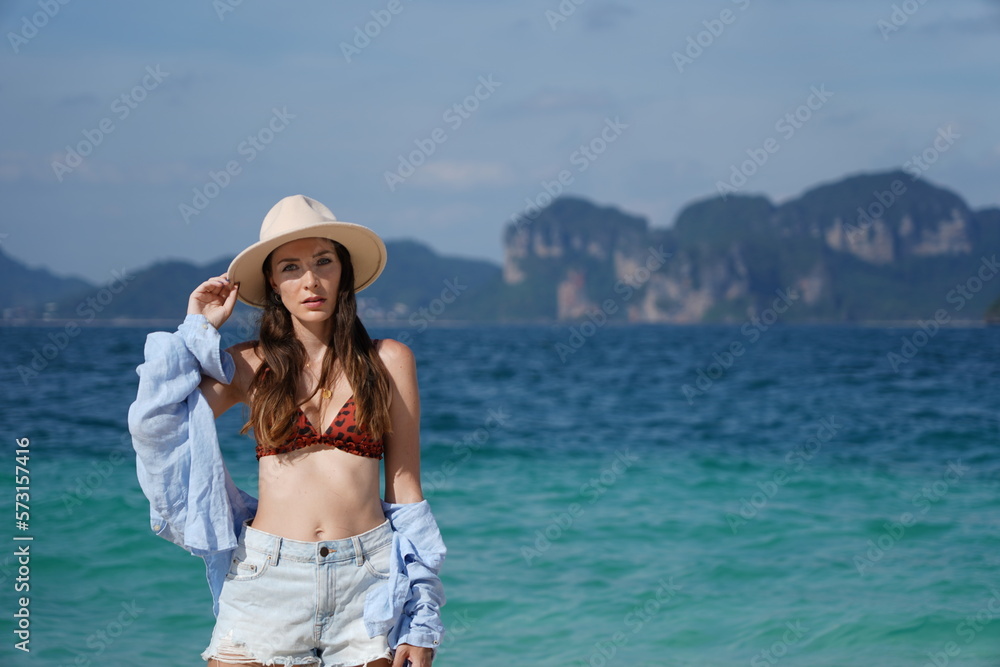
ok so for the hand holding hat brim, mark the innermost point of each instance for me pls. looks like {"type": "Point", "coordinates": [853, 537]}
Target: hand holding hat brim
{"type": "Point", "coordinates": [215, 299]}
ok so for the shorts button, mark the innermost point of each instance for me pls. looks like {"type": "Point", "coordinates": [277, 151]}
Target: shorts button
{"type": "Point", "coordinates": [324, 552]}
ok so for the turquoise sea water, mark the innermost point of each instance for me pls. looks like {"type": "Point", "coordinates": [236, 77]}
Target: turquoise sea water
{"type": "Point", "coordinates": [811, 506]}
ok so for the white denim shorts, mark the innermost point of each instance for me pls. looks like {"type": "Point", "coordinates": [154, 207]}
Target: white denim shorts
{"type": "Point", "coordinates": [288, 602]}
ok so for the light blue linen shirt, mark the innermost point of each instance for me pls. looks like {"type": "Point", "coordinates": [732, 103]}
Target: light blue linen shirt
{"type": "Point", "coordinates": [194, 503]}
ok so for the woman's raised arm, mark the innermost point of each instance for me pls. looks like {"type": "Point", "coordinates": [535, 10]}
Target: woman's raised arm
{"type": "Point", "coordinates": [215, 299]}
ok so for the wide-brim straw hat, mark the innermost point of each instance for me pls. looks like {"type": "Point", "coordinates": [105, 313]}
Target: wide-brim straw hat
{"type": "Point", "coordinates": [298, 217]}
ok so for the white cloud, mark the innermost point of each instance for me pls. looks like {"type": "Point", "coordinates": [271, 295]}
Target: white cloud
{"type": "Point", "coordinates": [26, 167]}
{"type": "Point", "coordinates": [464, 174]}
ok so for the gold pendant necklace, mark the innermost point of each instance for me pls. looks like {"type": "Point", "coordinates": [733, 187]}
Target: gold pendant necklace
{"type": "Point", "coordinates": [326, 392]}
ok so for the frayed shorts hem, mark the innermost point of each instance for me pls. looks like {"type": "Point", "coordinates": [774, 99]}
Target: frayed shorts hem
{"type": "Point", "coordinates": [207, 655]}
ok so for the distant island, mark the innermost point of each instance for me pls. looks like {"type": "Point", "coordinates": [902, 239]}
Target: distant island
{"type": "Point", "coordinates": [881, 247]}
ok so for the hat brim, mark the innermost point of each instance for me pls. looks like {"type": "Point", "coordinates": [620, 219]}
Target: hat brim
{"type": "Point", "coordinates": [368, 257]}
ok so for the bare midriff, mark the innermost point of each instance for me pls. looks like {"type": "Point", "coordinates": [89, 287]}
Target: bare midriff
{"type": "Point", "coordinates": [318, 493]}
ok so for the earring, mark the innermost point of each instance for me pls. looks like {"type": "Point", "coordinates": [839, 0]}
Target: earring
{"type": "Point", "coordinates": [276, 298]}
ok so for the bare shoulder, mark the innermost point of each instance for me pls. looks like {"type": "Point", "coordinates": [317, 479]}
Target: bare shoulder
{"type": "Point", "coordinates": [399, 360]}
{"type": "Point", "coordinates": [394, 353]}
{"type": "Point", "coordinates": [404, 400]}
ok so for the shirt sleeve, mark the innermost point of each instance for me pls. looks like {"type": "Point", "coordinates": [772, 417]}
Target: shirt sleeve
{"type": "Point", "coordinates": [422, 552]}
{"type": "Point", "coordinates": [186, 486]}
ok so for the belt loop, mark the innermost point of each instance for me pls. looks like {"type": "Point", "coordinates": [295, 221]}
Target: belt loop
{"type": "Point", "coordinates": [275, 549]}
{"type": "Point", "coordinates": [359, 552]}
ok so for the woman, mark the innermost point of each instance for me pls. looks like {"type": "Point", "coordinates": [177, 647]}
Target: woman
{"type": "Point", "coordinates": [321, 551]}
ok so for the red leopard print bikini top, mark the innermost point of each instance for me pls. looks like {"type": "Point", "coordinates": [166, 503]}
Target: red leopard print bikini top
{"type": "Point", "coordinates": [342, 433]}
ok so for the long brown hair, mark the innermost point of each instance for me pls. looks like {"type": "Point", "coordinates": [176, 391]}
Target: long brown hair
{"type": "Point", "coordinates": [272, 389]}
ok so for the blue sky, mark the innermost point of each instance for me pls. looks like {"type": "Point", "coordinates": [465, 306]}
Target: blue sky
{"type": "Point", "coordinates": [271, 91]}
